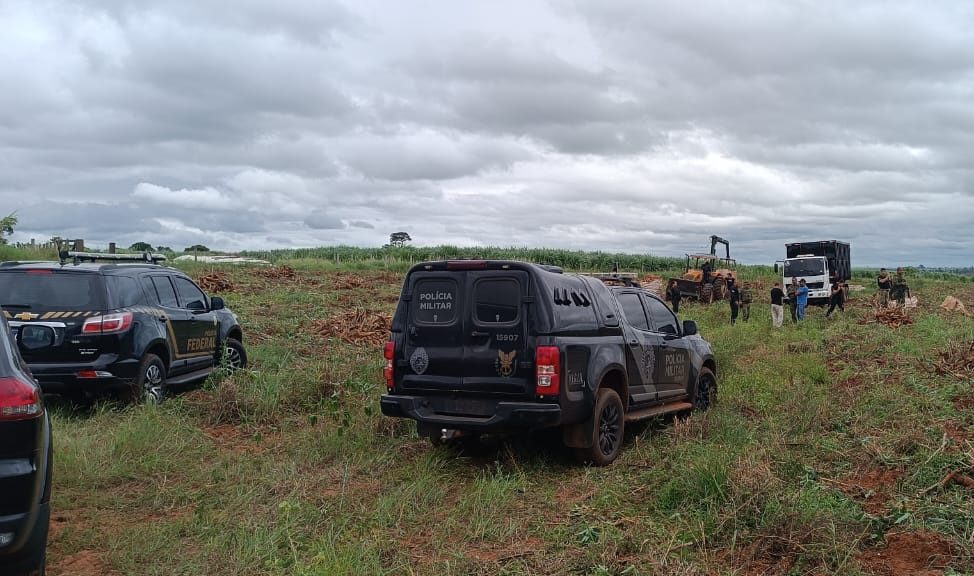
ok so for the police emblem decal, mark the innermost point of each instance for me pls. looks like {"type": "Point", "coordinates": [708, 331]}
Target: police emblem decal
{"type": "Point", "coordinates": [504, 364]}
{"type": "Point", "coordinates": [419, 361]}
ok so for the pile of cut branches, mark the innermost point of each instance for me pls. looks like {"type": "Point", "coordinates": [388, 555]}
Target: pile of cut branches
{"type": "Point", "coordinates": [350, 281]}
{"type": "Point", "coordinates": [277, 272]}
{"type": "Point", "coordinates": [358, 326]}
{"type": "Point", "coordinates": [215, 282]}
{"type": "Point", "coordinates": [957, 360]}
{"type": "Point", "coordinates": [892, 317]}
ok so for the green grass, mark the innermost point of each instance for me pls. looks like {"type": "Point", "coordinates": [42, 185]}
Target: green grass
{"type": "Point", "coordinates": [288, 467]}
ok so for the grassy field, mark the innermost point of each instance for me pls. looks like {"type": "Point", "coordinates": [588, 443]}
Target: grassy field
{"type": "Point", "coordinates": [824, 456]}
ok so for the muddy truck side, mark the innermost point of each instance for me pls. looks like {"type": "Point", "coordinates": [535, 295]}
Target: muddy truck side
{"type": "Point", "coordinates": [484, 347]}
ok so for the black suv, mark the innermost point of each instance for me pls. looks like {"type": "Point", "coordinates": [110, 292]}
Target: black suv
{"type": "Point", "coordinates": [25, 457]}
{"type": "Point", "coordinates": [500, 346]}
{"type": "Point", "coordinates": [129, 327]}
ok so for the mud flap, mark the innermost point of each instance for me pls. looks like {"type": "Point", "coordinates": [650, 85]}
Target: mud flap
{"type": "Point", "coordinates": [581, 435]}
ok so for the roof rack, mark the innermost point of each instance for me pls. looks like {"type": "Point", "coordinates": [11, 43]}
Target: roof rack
{"type": "Point", "coordinates": [96, 256]}
{"type": "Point", "coordinates": [620, 278]}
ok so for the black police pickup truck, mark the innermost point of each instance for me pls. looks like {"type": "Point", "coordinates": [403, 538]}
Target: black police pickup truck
{"type": "Point", "coordinates": [503, 346]}
{"type": "Point", "coordinates": [120, 324]}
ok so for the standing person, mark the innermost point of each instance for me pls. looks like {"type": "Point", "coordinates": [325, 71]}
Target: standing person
{"type": "Point", "coordinates": [885, 284]}
{"type": "Point", "coordinates": [706, 269]}
{"type": "Point", "coordinates": [801, 295]}
{"type": "Point", "coordinates": [901, 291]}
{"type": "Point", "coordinates": [836, 298]}
{"type": "Point", "coordinates": [734, 297]}
{"type": "Point", "coordinates": [746, 297]}
{"type": "Point", "coordinates": [674, 294]}
{"type": "Point", "coordinates": [777, 310]}
{"type": "Point", "coordinates": [793, 300]}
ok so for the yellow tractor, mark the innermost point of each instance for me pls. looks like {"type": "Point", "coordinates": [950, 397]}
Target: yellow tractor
{"type": "Point", "coordinates": [705, 276]}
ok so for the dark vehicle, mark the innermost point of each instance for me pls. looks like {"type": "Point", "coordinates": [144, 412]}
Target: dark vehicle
{"type": "Point", "coordinates": [25, 456]}
{"type": "Point", "coordinates": [120, 325]}
{"type": "Point", "coordinates": [500, 346]}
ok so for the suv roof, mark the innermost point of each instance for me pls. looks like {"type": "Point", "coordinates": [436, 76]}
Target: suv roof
{"type": "Point", "coordinates": [81, 266]}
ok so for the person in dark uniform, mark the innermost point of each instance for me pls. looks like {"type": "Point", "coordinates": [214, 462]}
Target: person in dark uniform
{"type": "Point", "coordinates": [793, 300]}
{"type": "Point", "coordinates": [747, 295]}
{"type": "Point", "coordinates": [706, 269]}
{"type": "Point", "coordinates": [885, 284]}
{"type": "Point", "coordinates": [836, 298]}
{"type": "Point", "coordinates": [674, 295]}
{"type": "Point", "coordinates": [901, 290]}
{"type": "Point", "coordinates": [734, 298]}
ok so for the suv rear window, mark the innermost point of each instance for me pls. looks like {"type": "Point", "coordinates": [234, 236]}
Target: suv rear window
{"type": "Point", "coordinates": [498, 300]}
{"type": "Point", "coordinates": [51, 290]}
{"type": "Point", "coordinates": [436, 301]}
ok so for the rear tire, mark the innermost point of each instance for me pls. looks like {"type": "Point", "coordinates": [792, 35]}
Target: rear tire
{"type": "Point", "coordinates": [149, 386]}
{"type": "Point", "coordinates": [608, 431]}
{"type": "Point", "coordinates": [705, 390]}
{"type": "Point", "coordinates": [235, 355]}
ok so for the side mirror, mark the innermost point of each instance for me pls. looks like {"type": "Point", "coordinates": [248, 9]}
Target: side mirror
{"type": "Point", "coordinates": [689, 327]}
{"type": "Point", "coordinates": [775, 267]}
{"type": "Point", "coordinates": [35, 337]}
{"type": "Point", "coordinates": [216, 303]}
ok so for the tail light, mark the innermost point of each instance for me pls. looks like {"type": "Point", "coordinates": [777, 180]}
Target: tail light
{"type": "Point", "coordinates": [389, 370]}
{"type": "Point", "coordinates": [108, 324]}
{"type": "Point", "coordinates": [19, 400]}
{"type": "Point", "coordinates": [547, 361]}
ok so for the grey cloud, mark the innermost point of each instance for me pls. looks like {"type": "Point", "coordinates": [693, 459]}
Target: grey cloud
{"type": "Point", "coordinates": [322, 220]}
{"type": "Point", "coordinates": [361, 224]}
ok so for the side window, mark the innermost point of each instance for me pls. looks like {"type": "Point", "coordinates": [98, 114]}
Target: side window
{"type": "Point", "coordinates": [498, 300]}
{"type": "Point", "coordinates": [165, 291]}
{"type": "Point", "coordinates": [663, 320]}
{"type": "Point", "coordinates": [632, 309]}
{"type": "Point", "coordinates": [125, 291]}
{"type": "Point", "coordinates": [190, 296]}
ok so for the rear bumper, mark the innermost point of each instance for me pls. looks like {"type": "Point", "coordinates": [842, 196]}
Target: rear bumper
{"type": "Point", "coordinates": [491, 416]}
{"type": "Point", "coordinates": [21, 530]}
{"type": "Point", "coordinates": [62, 378]}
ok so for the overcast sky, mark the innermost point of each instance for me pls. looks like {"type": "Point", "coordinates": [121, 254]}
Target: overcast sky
{"type": "Point", "coordinates": [639, 126]}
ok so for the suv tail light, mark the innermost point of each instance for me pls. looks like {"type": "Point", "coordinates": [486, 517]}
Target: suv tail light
{"type": "Point", "coordinates": [19, 400]}
{"type": "Point", "coordinates": [108, 324]}
{"type": "Point", "coordinates": [389, 371]}
{"type": "Point", "coordinates": [547, 361]}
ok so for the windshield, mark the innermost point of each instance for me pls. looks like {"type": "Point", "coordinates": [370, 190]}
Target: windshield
{"type": "Point", "coordinates": [25, 290]}
{"type": "Point", "coordinates": [799, 268]}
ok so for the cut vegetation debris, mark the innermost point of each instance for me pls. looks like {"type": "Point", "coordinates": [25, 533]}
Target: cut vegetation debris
{"type": "Point", "coordinates": [215, 282]}
{"type": "Point", "coordinates": [281, 272]}
{"type": "Point", "coordinates": [357, 326]}
{"type": "Point", "coordinates": [892, 317]}
{"type": "Point", "coordinates": [957, 360]}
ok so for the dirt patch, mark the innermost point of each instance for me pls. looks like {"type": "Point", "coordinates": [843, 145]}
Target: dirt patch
{"type": "Point", "coordinates": [84, 563]}
{"type": "Point", "coordinates": [872, 488]}
{"type": "Point", "coordinates": [356, 327]}
{"type": "Point", "coordinates": [911, 553]}
{"type": "Point", "coordinates": [963, 401]}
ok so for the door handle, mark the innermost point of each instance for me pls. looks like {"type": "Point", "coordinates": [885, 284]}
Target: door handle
{"type": "Point", "coordinates": [634, 342]}
{"type": "Point", "coordinates": [479, 334]}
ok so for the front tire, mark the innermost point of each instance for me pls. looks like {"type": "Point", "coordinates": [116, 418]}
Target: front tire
{"type": "Point", "coordinates": [150, 385]}
{"type": "Point", "coordinates": [608, 432]}
{"type": "Point", "coordinates": [705, 391]}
